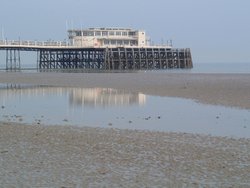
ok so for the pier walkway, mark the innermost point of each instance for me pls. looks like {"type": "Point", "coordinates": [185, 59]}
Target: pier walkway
{"type": "Point", "coordinates": [31, 45]}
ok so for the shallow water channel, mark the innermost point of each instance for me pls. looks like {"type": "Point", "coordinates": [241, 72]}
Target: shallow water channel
{"type": "Point", "coordinates": [104, 107]}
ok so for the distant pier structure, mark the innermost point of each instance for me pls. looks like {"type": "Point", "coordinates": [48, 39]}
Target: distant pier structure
{"type": "Point", "coordinates": [100, 49]}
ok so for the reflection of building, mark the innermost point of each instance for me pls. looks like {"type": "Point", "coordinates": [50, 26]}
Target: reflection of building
{"type": "Point", "coordinates": [90, 97]}
{"type": "Point", "coordinates": [105, 97]}
{"type": "Point", "coordinates": [107, 37]}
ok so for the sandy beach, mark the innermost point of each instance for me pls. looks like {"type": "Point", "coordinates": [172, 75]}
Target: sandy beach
{"type": "Point", "coordinates": [64, 156]}
{"type": "Point", "coordinates": [54, 156]}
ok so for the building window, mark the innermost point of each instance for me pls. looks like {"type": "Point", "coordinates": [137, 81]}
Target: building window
{"type": "Point", "coordinates": [98, 33]}
{"type": "Point", "coordinates": [111, 33]}
{"type": "Point", "coordinates": [119, 42]}
{"type": "Point", "coordinates": [78, 33]}
{"type": "Point", "coordinates": [133, 43]}
{"type": "Point", "coordinates": [104, 33]}
{"type": "Point", "coordinates": [113, 42]}
{"type": "Point", "coordinates": [132, 33]}
{"type": "Point", "coordinates": [124, 34]}
{"type": "Point", "coordinates": [126, 42]}
{"type": "Point", "coordinates": [106, 42]}
{"type": "Point", "coordinates": [84, 33]}
{"type": "Point", "coordinates": [90, 33]}
{"type": "Point", "coordinates": [71, 33]}
{"type": "Point", "coordinates": [118, 33]}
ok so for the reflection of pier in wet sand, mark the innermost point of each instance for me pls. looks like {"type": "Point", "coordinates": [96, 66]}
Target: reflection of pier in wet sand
{"type": "Point", "coordinates": [90, 97]}
{"type": "Point", "coordinates": [120, 109]}
{"type": "Point", "coordinates": [105, 97]}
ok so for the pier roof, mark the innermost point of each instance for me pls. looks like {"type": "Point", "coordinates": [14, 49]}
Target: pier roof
{"type": "Point", "coordinates": [102, 29]}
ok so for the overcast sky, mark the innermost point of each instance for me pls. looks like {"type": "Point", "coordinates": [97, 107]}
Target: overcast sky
{"type": "Point", "coordinates": [215, 30]}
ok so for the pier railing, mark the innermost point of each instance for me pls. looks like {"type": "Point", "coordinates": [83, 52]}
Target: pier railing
{"type": "Point", "coordinates": [62, 44]}
{"type": "Point", "coordinates": [27, 43]}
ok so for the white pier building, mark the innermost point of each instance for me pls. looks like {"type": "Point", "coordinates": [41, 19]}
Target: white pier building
{"type": "Point", "coordinates": [107, 37]}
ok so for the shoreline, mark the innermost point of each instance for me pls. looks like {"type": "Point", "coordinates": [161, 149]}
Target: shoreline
{"type": "Point", "coordinates": [67, 156]}
{"type": "Point", "coordinates": [232, 90]}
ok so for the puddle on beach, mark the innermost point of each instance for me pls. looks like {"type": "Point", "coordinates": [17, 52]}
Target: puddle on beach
{"type": "Point", "coordinates": [100, 107]}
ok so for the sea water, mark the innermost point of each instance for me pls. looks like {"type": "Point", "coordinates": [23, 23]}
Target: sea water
{"type": "Point", "coordinates": [104, 107]}
{"type": "Point", "coordinates": [221, 68]}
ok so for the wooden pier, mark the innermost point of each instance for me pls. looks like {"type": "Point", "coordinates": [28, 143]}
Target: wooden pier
{"type": "Point", "coordinates": [60, 55]}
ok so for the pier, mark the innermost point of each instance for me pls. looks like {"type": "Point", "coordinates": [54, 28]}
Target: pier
{"type": "Point", "coordinates": [99, 49]}
{"type": "Point", "coordinates": [60, 55]}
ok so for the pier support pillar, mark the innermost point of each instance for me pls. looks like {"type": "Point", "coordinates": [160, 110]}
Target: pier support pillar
{"type": "Point", "coordinates": [13, 60]}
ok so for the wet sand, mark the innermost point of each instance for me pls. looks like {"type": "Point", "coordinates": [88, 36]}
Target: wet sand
{"type": "Point", "coordinates": [56, 156]}
{"type": "Point", "coordinates": [222, 89]}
